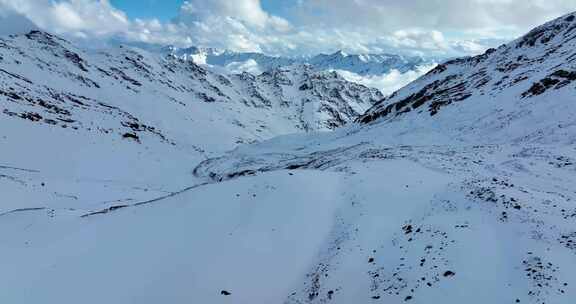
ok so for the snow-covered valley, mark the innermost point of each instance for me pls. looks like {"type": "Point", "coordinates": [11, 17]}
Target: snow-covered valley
{"type": "Point", "coordinates": [125, 124]}
{"type": "Point", "coordinates": [127, 178]}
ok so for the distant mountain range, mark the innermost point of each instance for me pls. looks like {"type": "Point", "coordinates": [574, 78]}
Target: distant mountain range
{"type": "Point", "coordinates": [361, 64]}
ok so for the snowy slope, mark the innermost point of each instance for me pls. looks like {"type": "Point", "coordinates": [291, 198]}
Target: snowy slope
{"type": "Point", "coordinates": [443, 223]}
{"type": "Point", "coordinates": [486, 217]}
{"type": "Point", "coordinates": [468, 197]}
{"type": "Point", "coordinates": [82, 121]}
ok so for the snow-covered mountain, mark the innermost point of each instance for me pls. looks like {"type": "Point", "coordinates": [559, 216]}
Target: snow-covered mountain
{"type": "Point", "coordinates": [361, 64]}
{"type": "Point", "coordinates": [223, 58]}
{"type": "Point", "coordinates": [459, 188]}
{"type": "Point", "coordinates": [48, 80]}
{"type": "Point", "coordinates": [519, 92]}
{"type": "Point", "coordinates": [126, 108]}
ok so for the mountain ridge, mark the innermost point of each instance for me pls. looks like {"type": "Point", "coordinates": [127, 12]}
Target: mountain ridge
{"type": "Point", "coordinates": [361, 64]}
{"type": "Point", "coordinates": [138, 71]}
{"type": "Point", "coordinates": [506, 72]}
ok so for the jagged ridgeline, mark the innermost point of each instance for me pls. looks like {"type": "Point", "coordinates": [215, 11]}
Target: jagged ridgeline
{"type": "Point", "coordinates": [539, 67]}
{"type": "Point", "coordinates": [363, 64]}
{"type": "Point", "coordinates": [129, 92]}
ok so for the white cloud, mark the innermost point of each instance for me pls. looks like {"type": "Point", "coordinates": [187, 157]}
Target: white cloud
{"type": "Point", "coordinates": [424, 27]}
{"type": "Point", "coordinates": [250, 66]}
{"type": "Point", "coordinates": [442, 15]}
{"type": "Point", "coordinates": [417, 39]}
{"type": "Point", "coordinates": [390, 82]}
{"type": "Point", "coordinates": [360, 26]}
{"type": "Point", "coordinates": [73, 17]}
{"type": "Point", "coordinates": [451, 27]}
{"type": "Point", "coordinates": [249, 11]}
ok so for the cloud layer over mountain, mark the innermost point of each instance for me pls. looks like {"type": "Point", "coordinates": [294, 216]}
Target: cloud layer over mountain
{"type": "Point", "coordinates": [387, 83]}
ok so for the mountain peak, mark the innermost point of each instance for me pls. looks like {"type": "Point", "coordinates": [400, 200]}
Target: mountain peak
{"type": "Point", "coordinates": [340, 53]}
{"type": "Point", "coordinates": [535, 64]}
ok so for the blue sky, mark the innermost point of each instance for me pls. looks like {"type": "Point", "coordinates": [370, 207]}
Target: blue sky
{"type": "Point", "coordinates": [161, 9]}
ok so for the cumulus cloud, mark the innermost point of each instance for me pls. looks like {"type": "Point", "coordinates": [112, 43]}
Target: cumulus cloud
{"type": "Point", "coordinates": [250, 66]}
{"type": "Point", "coordinates": [423, 27]}
{"type": "Point", "coordinates": [451, 27]}
{"type": "Point", "coordinates": [249, 11]}
{"type": "Point", "coordinates": [436, 14]}
{"type": "Point", "coordinates": [390, 82]}
{"type": "Point", "coordinates": [240, 25]}
{"type": "Point", "coordinates": [417, 39]}
{"type": "Point", "coordinates": [75, 17]}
